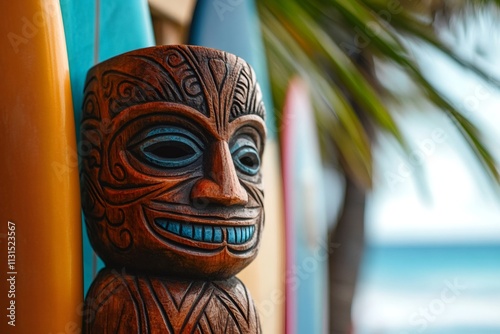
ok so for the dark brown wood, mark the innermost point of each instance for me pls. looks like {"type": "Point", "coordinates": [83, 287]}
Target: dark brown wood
{"type": "Point", "coordinates": [123, 303]}
{"type": "Point", "coordinates": [172, 139]}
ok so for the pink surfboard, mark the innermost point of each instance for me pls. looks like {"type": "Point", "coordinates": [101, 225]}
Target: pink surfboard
{"type": "Point", "coordinates": [305, 215]}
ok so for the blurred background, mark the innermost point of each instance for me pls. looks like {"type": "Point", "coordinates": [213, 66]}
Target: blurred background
{"type": "Point", "coordinates": [386, 124]}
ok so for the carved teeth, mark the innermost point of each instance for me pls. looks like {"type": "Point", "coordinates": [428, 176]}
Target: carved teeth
{"type": "Point", "coordinates": [217, 234]}
{"type": "Point", "coordinates": [197, 232]}
{"type": "Point", "coordinates": [231, 238]}
{"type": "Point", "coordinates": [208, 233]}
{"type": "Point", "coordinates": [173, 227]}
{"type": "Point", "coordinates": [187, 231]}
{"type": "Point", "coordinates": [214, 234]}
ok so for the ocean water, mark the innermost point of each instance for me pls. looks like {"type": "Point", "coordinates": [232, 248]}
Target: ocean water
{"type": "Point", "coordinates": [452, 289]}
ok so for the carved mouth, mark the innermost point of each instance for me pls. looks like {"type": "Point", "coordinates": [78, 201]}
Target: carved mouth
{"type": "Point", "coordinates": [234, 235]}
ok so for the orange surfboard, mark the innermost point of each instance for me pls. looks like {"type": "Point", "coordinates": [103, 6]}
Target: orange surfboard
{"type": "Point", "coordinates": [40, 228]}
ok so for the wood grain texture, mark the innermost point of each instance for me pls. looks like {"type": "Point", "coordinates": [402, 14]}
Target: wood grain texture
{"type": "Point", "coordinates": [122, 303]}
{"type": "Point", "coordinates": [173, 138]}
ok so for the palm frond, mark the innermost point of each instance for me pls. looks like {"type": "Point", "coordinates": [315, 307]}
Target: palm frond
{"type": "Point", "coordinates": [322, 40]}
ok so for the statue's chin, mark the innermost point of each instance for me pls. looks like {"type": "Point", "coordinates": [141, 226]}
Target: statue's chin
{"type": "Point", "coordinates": [183, 262]}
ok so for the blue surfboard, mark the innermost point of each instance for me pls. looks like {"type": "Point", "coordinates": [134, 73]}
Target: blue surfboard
{"type": "Point", "coordinates": [233, 26]}
{"type": "Point", "coordinates": [95, 31]}
{"type": "Point", "coordinates": [305, 215]}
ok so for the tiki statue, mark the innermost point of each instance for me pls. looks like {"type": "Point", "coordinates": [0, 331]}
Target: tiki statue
{"type": "Point", "coordinates": [172, 140]}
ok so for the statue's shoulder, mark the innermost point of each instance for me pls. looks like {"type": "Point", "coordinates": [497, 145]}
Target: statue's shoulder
{"type": "Point", "coordinates": [112, 293]}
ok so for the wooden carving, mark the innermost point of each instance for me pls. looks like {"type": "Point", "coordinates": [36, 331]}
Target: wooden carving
{"type": "Point", "coordinates": [172, 141]}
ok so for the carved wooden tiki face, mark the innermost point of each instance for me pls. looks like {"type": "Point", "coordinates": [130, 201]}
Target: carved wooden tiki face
{"type": "Point", "coordinates": [172, 141]}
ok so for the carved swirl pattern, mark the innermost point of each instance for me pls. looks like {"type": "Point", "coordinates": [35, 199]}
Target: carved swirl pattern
{"type": "Point", "coordinates": [220, 86]}
{"type": "Point", "coordinates": [172, 79]}
{"type": "Point", "coordinates": [178, 75]}
{"type": "Point", "coordinates": [90, 106]}
{"type": "Point", "coordinates": [122, 90]}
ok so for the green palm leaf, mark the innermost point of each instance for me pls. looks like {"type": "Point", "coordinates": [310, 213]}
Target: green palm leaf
{"type": "Point", "coordinates": [323, 40]}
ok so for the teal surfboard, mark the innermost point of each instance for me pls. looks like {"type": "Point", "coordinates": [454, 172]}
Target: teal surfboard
{"type": "Point", "coordinates": [305, 215]}
{"type": "Point", "coordinates": [95, 31]}
{"type": "Point", "coordinates": [233, 26]}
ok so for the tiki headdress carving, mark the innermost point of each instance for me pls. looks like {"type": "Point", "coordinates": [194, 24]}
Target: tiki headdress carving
{"type": "Point", "coordinates": [171, 183]}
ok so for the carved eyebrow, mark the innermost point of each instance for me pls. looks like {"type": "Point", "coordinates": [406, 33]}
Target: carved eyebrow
{"type": "Point", "coordinates": [247, 96]}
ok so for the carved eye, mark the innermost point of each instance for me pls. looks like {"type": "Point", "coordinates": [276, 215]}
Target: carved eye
{"type": "Point", "coordinates": [246, 156]}
{"type": "Point", "coordinates": [170, 147]}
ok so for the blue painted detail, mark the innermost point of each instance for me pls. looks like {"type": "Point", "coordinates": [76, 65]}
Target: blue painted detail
{"type": "Point", "coordinates": [174, 130]}
{"type": "Point", "coordinates": [217, 234]}
{"type": "Point", "coordinates": [198, 232]}
{"type": "Point", "coordinates": [231, 235]}
{"type": "Point", "coordinates": [174, 227]}
{"type": "Point", "coordinates": [247, 160]}
{"type": "Point", "coordinates": [244, 233]}
{"type": "Point", "coordinates": [191, 152]}
{"type": "Point", "coordinates": [245, 155]}
{"type": "Point", "coordinates": [169, 147]}
{"type": "Point", "coordinates": [187, 230]}
{"type": "Point", "coordinates": [162, 223]}
{"type": "Point", "coordinates": [208, 233]}
{"type": "Point", "coordinates": [238, 235]}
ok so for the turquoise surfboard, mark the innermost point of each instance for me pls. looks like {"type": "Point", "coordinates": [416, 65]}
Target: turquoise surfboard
{"type": "Point", "coordinates": [233, 26]}
{"type": "Point", "coordinates": [305, 215]}
{"type": "Point", "coordinates": [95, 31]}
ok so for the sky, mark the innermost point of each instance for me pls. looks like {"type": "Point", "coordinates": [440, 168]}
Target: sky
{"type": "Point", "coordinates": [438, 194]}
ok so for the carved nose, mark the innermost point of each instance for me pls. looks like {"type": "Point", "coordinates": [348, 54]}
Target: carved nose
{"type": "Point", "coordinates": [220, 185]}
